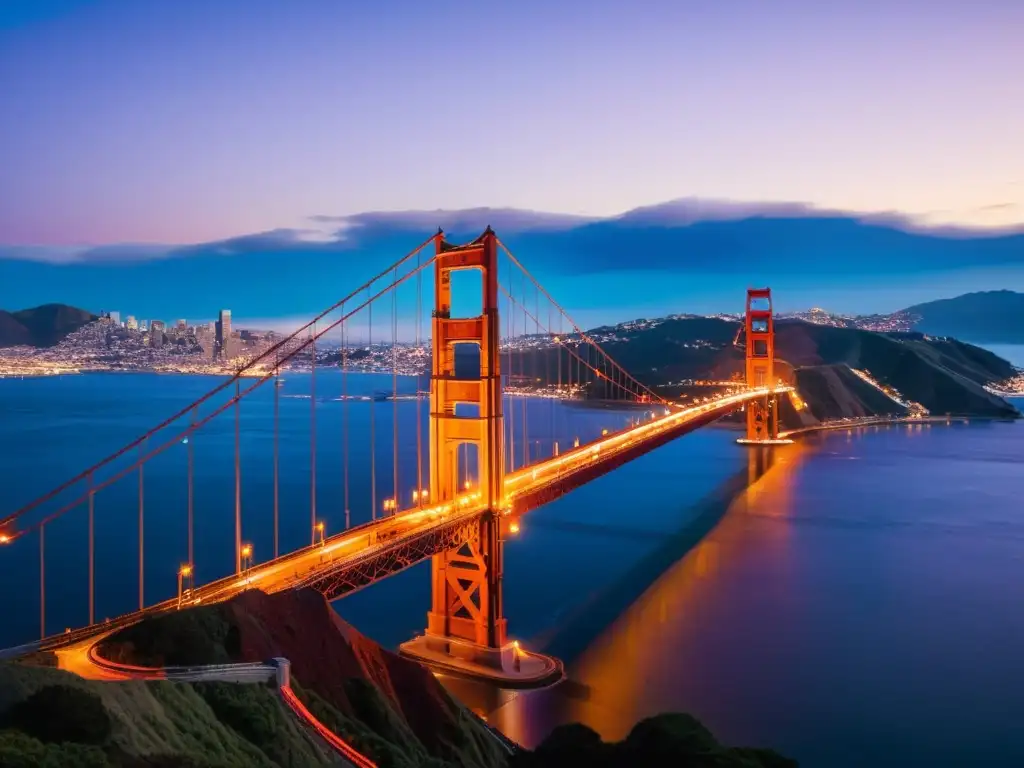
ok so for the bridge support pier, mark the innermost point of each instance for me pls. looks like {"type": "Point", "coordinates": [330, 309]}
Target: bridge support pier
{"type": "Point", "coordinates": [762, 415]}
{"type": "Point", "coordinates": [466, 628]}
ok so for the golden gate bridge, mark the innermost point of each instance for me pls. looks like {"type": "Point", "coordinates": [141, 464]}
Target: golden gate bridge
{"type": "Point", "coordinates": [477, 470]}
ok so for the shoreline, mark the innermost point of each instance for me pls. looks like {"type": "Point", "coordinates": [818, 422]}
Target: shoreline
{"type": "Point", "coordinates": [884, 422]}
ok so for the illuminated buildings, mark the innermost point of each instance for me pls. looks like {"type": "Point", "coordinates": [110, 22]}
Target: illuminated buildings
{"type": "Point", "coordinates": [223, 332]}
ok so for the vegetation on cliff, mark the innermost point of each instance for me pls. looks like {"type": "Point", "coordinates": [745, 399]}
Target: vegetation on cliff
{"type": "Point", "coordinates": [390, 708]}
{"type": "Point", "coordinates": [52, 719]}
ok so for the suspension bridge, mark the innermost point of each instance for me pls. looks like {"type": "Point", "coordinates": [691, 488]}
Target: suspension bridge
{"type": "Point", "coordinates": [451, 488]}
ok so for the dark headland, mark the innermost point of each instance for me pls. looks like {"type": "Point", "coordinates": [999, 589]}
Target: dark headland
{"type": "Point", "coordinates": [389, 708]}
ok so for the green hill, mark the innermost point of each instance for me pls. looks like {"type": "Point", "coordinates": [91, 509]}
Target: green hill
{"type": "Point", "coordinates": [52, 719]}
{"type": "Point", "coordinates": [389, 708]}
{"type": "Point", "coordinates": [41, 326]}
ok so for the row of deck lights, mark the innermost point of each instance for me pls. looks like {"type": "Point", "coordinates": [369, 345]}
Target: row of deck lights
{"type": "Point", "coordinates": [419, 498]}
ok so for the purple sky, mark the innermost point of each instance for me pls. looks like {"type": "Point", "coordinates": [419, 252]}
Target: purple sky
{"type": "Point", "coordinates": [190, 120]}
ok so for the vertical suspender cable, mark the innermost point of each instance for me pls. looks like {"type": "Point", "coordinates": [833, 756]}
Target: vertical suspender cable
{"type": "Point", "coordinates": [142, 507]}
{"type": "Point", "coordinates": [277, 456]}
{"type": "Point", "coordinates": [191, 492]}
{"type": "Point", "coordinates": [547, 378]}
{"type": "Point", "coordinates": [344, 414]}
{"type": "Point", "coordinates": [92, 553]}
{"type": "Point", "coordinates": [523, 378]}
{"type": "Point", "coordinates": [419, 341]}
{"type": "Point", "coordinates": [42, 582]}
{"type": "Point", "coordinates": [511, 401]}
{"type": "Point", "coordinates": [312, 437]}
{"type": "Point", "coordinates": [373, 407]}
{"type": "Point", "coordinates": [238, 478]}
{"type": "Point", "coordinates": [535, 369]}
{"type": "Point", "coordinates": [394, 385]}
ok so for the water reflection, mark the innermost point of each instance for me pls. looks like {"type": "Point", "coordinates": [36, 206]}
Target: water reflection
{"type": "Point", "coordinates": [857, 604]}
{"type": "Point", "coordinates": [620, 677]}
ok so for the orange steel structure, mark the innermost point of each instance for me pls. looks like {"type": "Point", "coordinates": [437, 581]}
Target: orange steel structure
{"type": "Point", "coordinates": [467, 600]}
{"type": "Point", "coordinates": [762, 415]}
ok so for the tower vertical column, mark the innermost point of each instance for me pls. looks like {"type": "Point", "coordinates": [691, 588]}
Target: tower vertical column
{"type": "Point", "coordinates": [762, 415]}
{"type": "Point", "coordinates": [466, 602]}
{"type": "Point", "coordinates": [466, 628]}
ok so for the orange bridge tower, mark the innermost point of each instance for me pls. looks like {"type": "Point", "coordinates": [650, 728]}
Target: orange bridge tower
{"type": "Point", "coordinates": [466, 628]}
{"type": "Point", "coordinates": [759, 326]}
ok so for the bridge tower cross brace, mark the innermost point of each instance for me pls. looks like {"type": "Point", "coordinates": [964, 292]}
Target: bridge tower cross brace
{"type": "Point", "coordinates": [762, 415]}
{"type": "Point", "coordinates": [466, 602]}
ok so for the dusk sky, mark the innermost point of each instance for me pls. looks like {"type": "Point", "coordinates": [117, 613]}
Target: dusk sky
{"type": "Point", "coordinates": [188, 121]}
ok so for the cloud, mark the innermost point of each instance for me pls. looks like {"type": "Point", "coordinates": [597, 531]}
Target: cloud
{"type": "Point", "coordinates": [332, 233]}
{"type": "Point", "coordinates": [272, 240]}
{"type": "Point", "coordinates": [473, 220]}
{"type": "Point", "coordinates": [75, 254]}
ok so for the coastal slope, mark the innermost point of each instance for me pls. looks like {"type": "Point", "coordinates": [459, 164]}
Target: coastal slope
{"type": "Point", "coordinates": [387, 707]}
{"type": "Point", "coordinates": [41, 326]}
{"type": "Point", "coordinates": [49, 717]}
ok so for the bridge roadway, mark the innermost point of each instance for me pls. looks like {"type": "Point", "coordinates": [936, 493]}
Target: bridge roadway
{"type": "Point", "coordinates": [355, 558]}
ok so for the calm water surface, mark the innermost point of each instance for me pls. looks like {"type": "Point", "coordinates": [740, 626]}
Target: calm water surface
{"type": "Point", "coordinates": [854, 600]}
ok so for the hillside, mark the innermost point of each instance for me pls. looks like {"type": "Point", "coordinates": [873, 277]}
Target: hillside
{"type": "Point", "coordinates": [389, 708]}
{"type": "Point", "coordinates": [835, 392]}
{"type": "Point", "coordinates": [945, 376]}
{"type": "Point", "coordinates": [50, 719]}
{"type": "Point", "coordinates": [41, 326]}
{"type": "Point", "coordinates": [986, 317]}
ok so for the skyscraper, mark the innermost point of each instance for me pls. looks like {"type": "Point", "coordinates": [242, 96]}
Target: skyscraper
{"type": "Point", "coordinates": [224, 334]}
{"type": "Point", "coordinates": [130, 323]}
{"type": "Point", "coordinates": [115, 317]}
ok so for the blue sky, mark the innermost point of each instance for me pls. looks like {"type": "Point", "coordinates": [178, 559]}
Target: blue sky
{"type": "Point", "coordinates": [170, 122]}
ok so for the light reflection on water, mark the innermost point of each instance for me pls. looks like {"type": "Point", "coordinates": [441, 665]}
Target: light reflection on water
{"type": "Point", "coordinates": [858, 604]}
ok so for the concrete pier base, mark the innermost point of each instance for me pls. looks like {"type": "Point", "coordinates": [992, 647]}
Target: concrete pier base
{"type": "Point", "coordinates": [508, 666]}
{"type": "Point", "coordinates": [775, 441]}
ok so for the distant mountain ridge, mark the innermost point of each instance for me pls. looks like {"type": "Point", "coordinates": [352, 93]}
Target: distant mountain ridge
{"type": "Point", "coordinates": [982, 317]}
{"type": "Point", "coordinates": [985, 317]}
{"type": "Point", "coordinates": [41, 326]}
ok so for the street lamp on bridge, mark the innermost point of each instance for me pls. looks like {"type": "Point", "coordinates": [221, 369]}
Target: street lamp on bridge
{"type": "Point", "coordinates": [184, 577]}
{"type": "Point", "coordinates": [320, 531]}
{"type": "Point", "coordinates": [246, 559]}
